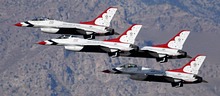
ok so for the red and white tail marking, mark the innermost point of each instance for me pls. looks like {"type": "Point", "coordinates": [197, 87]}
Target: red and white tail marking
{"type": "Point", "coordinates": [192, 66]}
{"type": "Point", "coordinates": [128, 36]}
{"type": "Point", "coordinates": [104, 19]}
{"type": "Point", "coordinates": [177, 41]}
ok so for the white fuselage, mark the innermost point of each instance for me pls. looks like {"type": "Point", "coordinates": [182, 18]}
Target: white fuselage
{"type": "Point", "coordinates": [162, 51]}
{"type": "Point", "coordinates": [181, 76]}
{"type": "Point", "coordinates": [55, 25]}
{"type": "Point", "coordinates": [73, 41]}
{"type": "Point", "coordinates": [177, 76]}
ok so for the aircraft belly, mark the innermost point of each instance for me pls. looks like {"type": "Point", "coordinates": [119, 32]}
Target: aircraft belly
{"type": "Point", "coordinates": [147, 54]}
{"type": "Point", "coordinates": [93, 28]}
{"type": "Point", "coordinates": [143, 54]}
{"type": "Point", "coordinates": [98, 49]}
{"type": "Point", "coordinates": [158, 79]}
{"type": "Point", "coordinates": [73, 31]}
{"type": "Point", "coordinates": [76, 31]}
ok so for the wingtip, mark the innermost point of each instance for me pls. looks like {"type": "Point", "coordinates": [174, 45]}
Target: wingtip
{"type": "Point", "coordinates": [200, 55]}
{"type": "Point", "coordinates": [204, 81]}
{"type": "Point", "coordinates": [116, 33]}
{"type": "Point", "coordinates": [185, 30]}
{"type": "Point", "coordinates": [106, 71]}
{"type": "Point", "coordinates": [188, 56]}
{"type": "Point", "coordinates": [136, 24]}
{"type": "Point", "coordinates": [112, 7]}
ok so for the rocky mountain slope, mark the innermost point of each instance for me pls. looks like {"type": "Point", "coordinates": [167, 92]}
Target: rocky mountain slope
{"type": "Point", "coordinates": [27, 69]}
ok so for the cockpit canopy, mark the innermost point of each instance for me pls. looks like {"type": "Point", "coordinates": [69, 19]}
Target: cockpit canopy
{"type": "Point", "coordinates": [65, 36]}
{"type": "Point", "coordinates": [41, 19]}
{"type": "Point", "coordinates": [129, 66]}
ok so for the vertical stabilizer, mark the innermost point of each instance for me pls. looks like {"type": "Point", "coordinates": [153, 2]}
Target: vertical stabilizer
{"type": "Point", "coordinates": [129, 35]}
{"type": "Point", "coordinates": [104, 19]}
{"type": "Point", "coordinates": [177, 41]}
{"type": "Point", "coordinates": [192, 66]}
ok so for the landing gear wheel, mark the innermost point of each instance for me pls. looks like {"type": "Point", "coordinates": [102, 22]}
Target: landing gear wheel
{"type": "Point", "coordinates": [177, 84]}
{"type": "Point", "coordinates": [113, 54]}
{"type": "Point", "coordinates": [162, 60]}
{"type": "Point", "coordinates": [92, 36]}
{"type": "Point", "coordinates": [110, 31]}
{"type": "Point", "coordinates": [183, 54]}
{"type": "Point", "coordinates": [135, 48]}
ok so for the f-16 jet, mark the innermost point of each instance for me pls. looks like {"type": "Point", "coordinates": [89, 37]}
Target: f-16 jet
{"type": "Point", "coordinates": [162, 52]}
{"type": "Point", "coordinates": [123, 43]}
{"type": "Point", "coordinates": [188, 74]}
{"type": "Point", "coordinates": [100, 26]}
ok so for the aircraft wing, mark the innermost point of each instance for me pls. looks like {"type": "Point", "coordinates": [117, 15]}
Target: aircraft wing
{"type": "Point", "coordinates": [61, 30]}
{"type": "Point", "coordinates": [95, 48]}
{"type": "Point", "coordinates": [91, 48]}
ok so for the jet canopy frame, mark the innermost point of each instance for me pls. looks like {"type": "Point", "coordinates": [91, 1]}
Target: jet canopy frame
{"type": "Point", "coordinates": [66, 36]}
{"type": "Point", "coordinates": [41, 19]}
{"type": "Point", "coordinates": [129, 66]}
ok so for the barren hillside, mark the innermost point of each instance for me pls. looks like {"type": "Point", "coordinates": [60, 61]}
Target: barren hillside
{"type": "Point", "coordinates": [27, 69]}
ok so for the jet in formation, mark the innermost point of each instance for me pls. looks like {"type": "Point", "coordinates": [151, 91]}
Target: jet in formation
{"type": "Point", "coordinates": [122, 44]}
{"type": "Point", "coordinates": [100, 26]}
{"type": "Point", "coordinates": [162, 52]}
{"type": "Point", "coordinates": [188, 74]}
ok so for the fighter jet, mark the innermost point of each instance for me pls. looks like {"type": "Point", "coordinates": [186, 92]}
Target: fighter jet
{"type": "Point", "coordinates": [188, 74]}
{"type": "Point", "coordinates": [124, 43]}
{"type": "Point", "coordinates": [97, 27]}
{"type": "Point", "coordinates": [162, 52]}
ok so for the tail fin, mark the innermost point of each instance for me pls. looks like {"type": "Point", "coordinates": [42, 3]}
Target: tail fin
{"type": "Point", "coordinates": [104, 18]}
{"type": "Point", "coordinates": [192, 66]}
{"type": "Point", "coordinates": [177, 41]}
{"type": "Point", "coordinates": [129, 35]}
